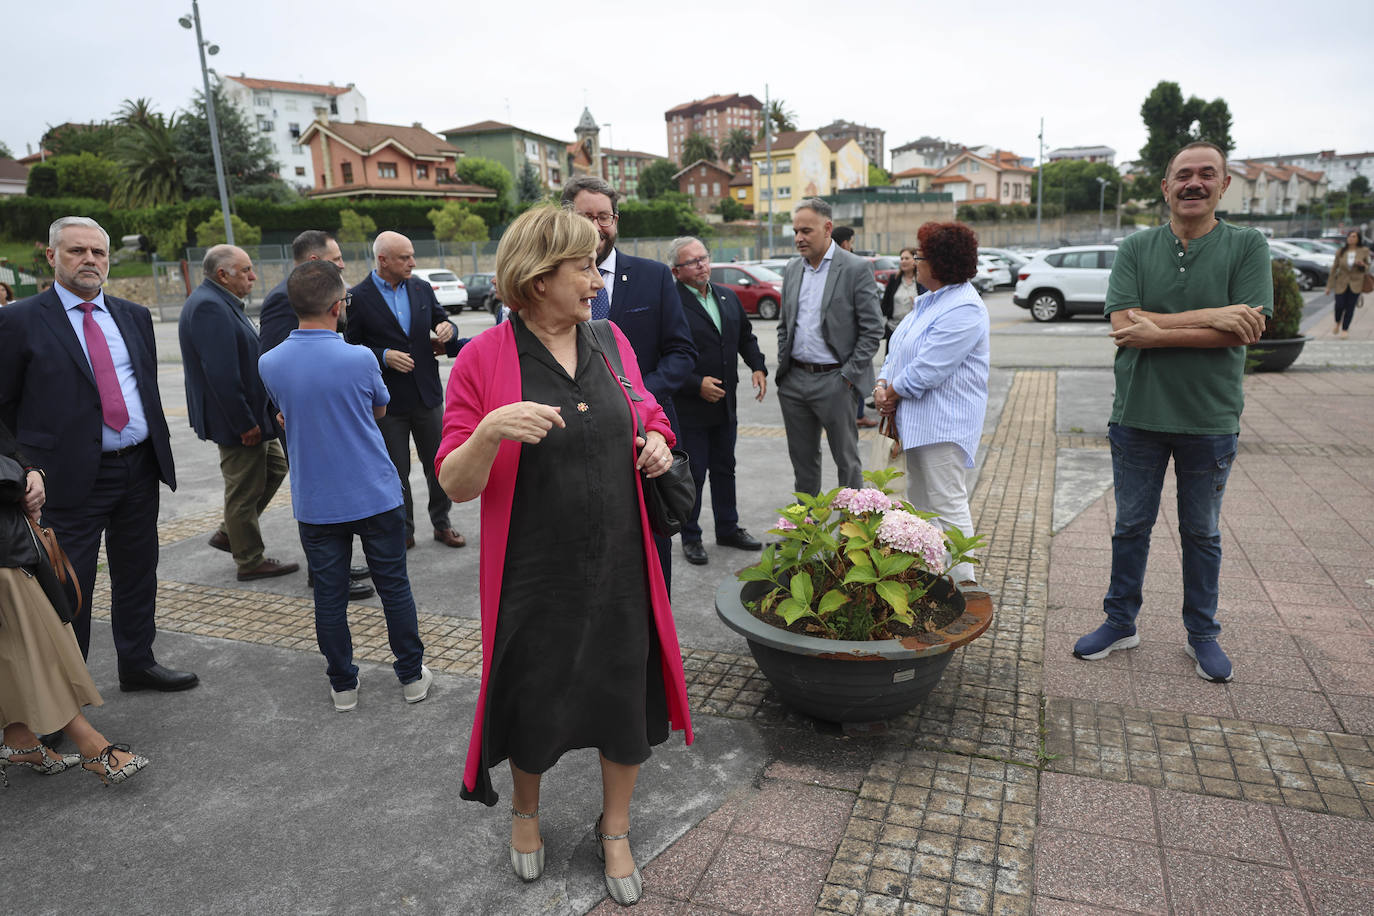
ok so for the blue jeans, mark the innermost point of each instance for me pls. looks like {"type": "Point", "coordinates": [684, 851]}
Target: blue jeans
{"type": "Point", "coordinates": [329, 551]}
{"type": "Point", "coordinates": [1201, 466]}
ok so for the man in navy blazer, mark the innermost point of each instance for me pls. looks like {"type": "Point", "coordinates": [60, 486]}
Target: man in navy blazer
{"type": "Point", "coordinates": [706, 402]}
{"type": "Point", "coordinates": [393, 314]}
{"type": "Point", "coordinates": [78, 386]}
{"type": "Point", "coordinates": [641, 297]}
{"type": "Point", "coordinates": [277, 319]}
{"type": "Point", "coordinates": [227, 404]}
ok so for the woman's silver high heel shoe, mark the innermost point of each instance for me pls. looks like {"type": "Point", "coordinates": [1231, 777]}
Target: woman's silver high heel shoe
{"type": "Point", "coordinates": [49, 765]}
{"type": "Point", "coordinates": [110, 776]}
{"type": "Point", "coordinates": [624, 891]}
{"type": "Point", "coordinates": [528, 865]}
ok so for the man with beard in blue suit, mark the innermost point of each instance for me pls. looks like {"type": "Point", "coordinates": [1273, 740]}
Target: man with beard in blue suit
{"type": "Point", "coordinates": [641, 297]}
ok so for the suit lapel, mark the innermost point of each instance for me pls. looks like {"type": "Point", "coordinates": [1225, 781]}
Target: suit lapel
{"type": "Point", "coordinates": [830, 275]}
{"type": "Point", "coordinates": [61, 327]}
{"type": "Point", "coordinates": [620, 281]}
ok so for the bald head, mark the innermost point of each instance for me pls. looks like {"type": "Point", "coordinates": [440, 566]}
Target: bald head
{"type": "Point", "coordinates": [395, 257]}
{"type": "Point", "coordinates": [231, 268]}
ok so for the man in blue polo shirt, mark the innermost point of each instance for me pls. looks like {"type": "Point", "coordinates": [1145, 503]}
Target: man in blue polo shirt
{"type": "Point", "coordinates": [331, 394]}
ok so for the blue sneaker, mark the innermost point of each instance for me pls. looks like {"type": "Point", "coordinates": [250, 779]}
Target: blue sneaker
{"type": "Point", "coordinates": [1212, 663]}
{"type": "Point", "coordinates": [1103, 641]}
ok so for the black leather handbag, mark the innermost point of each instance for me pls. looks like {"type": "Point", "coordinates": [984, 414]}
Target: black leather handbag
{"type": "Point", "coordinates": [669, 497]}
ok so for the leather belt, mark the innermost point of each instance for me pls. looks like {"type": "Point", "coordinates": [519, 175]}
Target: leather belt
{"type": "Point", "coordinates": [816, 367]}
{"type": "Point", "coordinates": [120, 452]}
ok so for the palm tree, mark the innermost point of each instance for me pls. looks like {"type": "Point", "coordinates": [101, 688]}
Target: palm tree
{"type": "Point", "coordinates": [136, 113]}
{"type": "Point", "coordinates": [780, 117]}
{"type": "Point", "coordinates": [737, 146]}
{"type": "Point", "coordinates": [698, 146]}
{"type": "Point", "coordinates": [147, 152]}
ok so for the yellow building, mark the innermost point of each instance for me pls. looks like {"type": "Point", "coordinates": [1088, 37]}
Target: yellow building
{"type": "Point", "coordinates": [742, 187]}
{"type": "Point", "coordinates": [803, 165]}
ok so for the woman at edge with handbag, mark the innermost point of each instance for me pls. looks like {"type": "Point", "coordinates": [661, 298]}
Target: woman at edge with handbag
{"type": "Point", "coordinates": [579, 649]}
{"type": "Point", "coordinates": [1349, 279]}
{"type": "Point", "coordinates": [43, 678]}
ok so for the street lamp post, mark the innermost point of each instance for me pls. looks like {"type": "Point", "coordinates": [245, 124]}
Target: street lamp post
{"type": "Point", "coordinates": [1101, 195]}
{"type": "Point", "coordinates": [203, 46]}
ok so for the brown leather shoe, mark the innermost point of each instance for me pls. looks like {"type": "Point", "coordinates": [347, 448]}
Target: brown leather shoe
{"type": "Point", "coordinates": [450, 537]}
{"type": "Point", "coordinates": [220, 541]}
{"type": "Point", "coordinates": [866, 423]}
{"type": "Point", "coordinates": [267, 569]}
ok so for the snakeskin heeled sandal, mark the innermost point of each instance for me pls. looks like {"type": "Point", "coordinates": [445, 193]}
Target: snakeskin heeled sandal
{"type": "Point", "coordinates": [624, 891]}
{"type": "Point", "coordinates": [111, 775]}
{"type": "Point", "coordinates": [527, 865]}
{"type": "Point", "coordinates": [49, 765]}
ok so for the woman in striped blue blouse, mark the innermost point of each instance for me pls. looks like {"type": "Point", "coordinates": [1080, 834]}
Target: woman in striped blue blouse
{"type": "Point", "coordinates": [935, 377]}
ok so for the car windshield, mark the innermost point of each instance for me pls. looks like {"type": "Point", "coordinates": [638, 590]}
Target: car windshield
{"type": "Point", "coordinates": [442, 276]}
{"type": "Point", "coordinates": [765, 274]}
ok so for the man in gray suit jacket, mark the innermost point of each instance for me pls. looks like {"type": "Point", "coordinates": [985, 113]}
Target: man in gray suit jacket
{"type": "Point", "coordinates": [828, 332]}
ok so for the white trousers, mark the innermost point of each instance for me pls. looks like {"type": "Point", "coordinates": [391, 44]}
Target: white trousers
{"type": "Point", "coordinates": [938, 482]}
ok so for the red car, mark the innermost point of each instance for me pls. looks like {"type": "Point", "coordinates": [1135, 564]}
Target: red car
{"type": "Point", "coordinates": [759, 288]}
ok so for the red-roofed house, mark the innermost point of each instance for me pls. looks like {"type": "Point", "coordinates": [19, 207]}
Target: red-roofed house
{"type": "Point", "coordinates": [707, 183]}
{"type": "Point", "coordinates": [997, 178]}
{"type": "Point", "coordinates": [917, 178]}
{"type": "Point", "coordinates": [281, 110]}
{"type": "Point", "coordinates": [365, 159]}
{"type": "Point", "coordinates": [1262, 188]}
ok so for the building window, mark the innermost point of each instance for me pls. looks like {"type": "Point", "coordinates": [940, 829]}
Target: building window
{"type": "Point", "coordinates": [297, 149]}
{"type": "Point", "coordinates": [832, 169]}
{"type": "Point", "coordinates": [333, 106]}
{"type": "Point", "coordinates": [264, 125]}
{"type": "Point", "coordinates": [555, 176]}
{"type": "Point", "coordinates": [532, 149]}
{"type": "Point", "coordinates": [300, 171]}
{"type": "Point", "coordinates": [691, 189]}
{"type": "Point", "coordinates": [441, 175]}
{"type": "Point", "coordinates": [784, 192]}
{"type": "Point", "coordinates": [262, 101]}
{"type": "Point", "coordinates": [290, 104]}
{"type": "Point", "coordinates": [347, 170]}
{"type": "Point", "coordinates": [294, 129]}
{"type": "Point", "coordinates": [421, 171]}
{"type": "Point", "coordinates": [741, 193]}
{"type": "Point", "coordinates": [715, 189]}
{"type": "Point", "coordinates": [980, 190]}
{"type": "Point", "coordinates": [784, 166]}
{"type": "Point", "coordinates": [386, 170]}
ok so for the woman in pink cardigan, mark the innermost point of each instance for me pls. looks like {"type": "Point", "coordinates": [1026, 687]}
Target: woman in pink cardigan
{"type": "Point", "coordinates": [579, 649]}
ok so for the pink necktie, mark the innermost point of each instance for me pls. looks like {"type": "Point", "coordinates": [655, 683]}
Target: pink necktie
{"type": "Point", "coordinates": [112, 406]}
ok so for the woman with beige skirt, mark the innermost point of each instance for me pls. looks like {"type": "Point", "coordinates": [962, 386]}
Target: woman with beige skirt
{"type": "Point", "coordinates": [43, 678]}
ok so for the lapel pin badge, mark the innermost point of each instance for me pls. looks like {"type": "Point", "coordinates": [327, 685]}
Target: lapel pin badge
{"type": "Point", "coordinates": [624, 278]}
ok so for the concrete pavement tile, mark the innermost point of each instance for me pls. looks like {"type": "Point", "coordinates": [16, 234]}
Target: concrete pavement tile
{"type": "Point", "coordinates": [836, 899]}
{"type": "Point", "coordinates": [793, 813]}
{"type": "Point", "coordinates": [1049, 906]}
{"type": "Point", "coordinates": [1290, 592]}
{"type": "Point", "coordinates": [649, 903]}
{"type": "Point", "coordinates": [1336, 647]}
{"type": "Point", "coordinates": [1239, 830]}
{"type": "Point", "coordinates": [1338, 897]}
{"type": "Point", "coordinates": [1334, 846]}
{"type": "Point", "coordinates": [1356, 712]}
{"type": "Point", "coordinates": [1306, 708]}
{"type": "Point", "coordinates": [1099, 870]}
{"type": "Point", "coordinates": [1269, 670]}
{"type": "Point", "coordinates": [1344, 677]}
{"type": "Point", "coordinates": [1314, 617]}
{"type": "Point", "coordinates": [676, 871]}
{"type": "Point", "coordinates": [1213, 886]}
{"type": "Point", "coordinates": [1183, 693]}
{"type": "Point", "coordinates": [755, 876]}
{"type": "Point", "coordinates": [1096, 806]}
{"type": "Point", "coordinates": [1087, 680]}
{"type": "Point", "coordinates": [1271, 640]}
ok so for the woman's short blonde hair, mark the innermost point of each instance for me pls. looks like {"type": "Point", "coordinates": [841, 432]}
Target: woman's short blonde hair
{"type": "Point", "coordinates": [538, 241]}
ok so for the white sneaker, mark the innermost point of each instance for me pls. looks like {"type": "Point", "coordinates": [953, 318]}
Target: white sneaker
{"type": "Point", "coordinates": [344, 700]}
{"type": "Point", "coordinates": [416, 691]}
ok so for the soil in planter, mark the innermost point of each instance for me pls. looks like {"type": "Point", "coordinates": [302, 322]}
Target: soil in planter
{"type": "Point", "coordinates": [929, 613]}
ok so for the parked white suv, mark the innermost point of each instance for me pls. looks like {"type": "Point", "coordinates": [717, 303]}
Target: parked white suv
{"type": "Point", "coordinates": [448, 289]}
{"type": "Point", "coordinates": [1062, 282]}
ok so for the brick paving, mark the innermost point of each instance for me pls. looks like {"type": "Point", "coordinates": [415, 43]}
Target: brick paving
{"type": "Point", "coordinates": [1030, 781]}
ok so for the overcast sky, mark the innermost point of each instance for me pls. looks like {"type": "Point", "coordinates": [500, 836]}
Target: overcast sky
{"type": "Point", "coordinates": [975, 73]}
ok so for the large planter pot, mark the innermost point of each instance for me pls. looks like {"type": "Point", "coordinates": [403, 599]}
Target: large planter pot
{"type": "Point", "coordinates": [1273, 355]}
{"type": "Point", "coordinates": [852, 681]}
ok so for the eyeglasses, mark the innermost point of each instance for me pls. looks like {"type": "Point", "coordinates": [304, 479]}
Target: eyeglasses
{"type": "Point", "coordinates": [917, 257]}
{"type": "Point", "coordinates": [346, 299]}
{"type": "Point", "coordinates": [695, 262]}
{"type": "Point", "coordinates": [604, 220]}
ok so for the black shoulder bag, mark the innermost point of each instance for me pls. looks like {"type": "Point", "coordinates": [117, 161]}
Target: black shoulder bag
{"type": "Point", "coordinates": [668, 498]}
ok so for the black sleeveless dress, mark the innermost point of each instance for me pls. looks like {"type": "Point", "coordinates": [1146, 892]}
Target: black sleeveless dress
{"type": "Point", "coordinates": [576, 656]}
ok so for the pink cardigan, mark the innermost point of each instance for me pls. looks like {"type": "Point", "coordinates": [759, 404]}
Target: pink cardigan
{"type": "Point", "coordinates": [485, 376]}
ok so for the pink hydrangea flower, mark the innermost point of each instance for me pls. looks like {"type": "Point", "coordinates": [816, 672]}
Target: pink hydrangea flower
{"type": "Point", "coordinates": [784, 524]}
{"type": "Point", "coordinates": [862, 501]}
{"type": "Point", "coordinates": [908, 533]}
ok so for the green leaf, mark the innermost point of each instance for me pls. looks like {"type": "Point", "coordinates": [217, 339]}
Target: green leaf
{"type": "Point", "coordinates": [756, 574]}
{"type": "Point", "coordinates": [851, 530]}
{"type": "Point", "coordinates": [860, 558]}
{"type": "Point", "coordinates": [895, 594]}
{"type": "Point", "coordinates": [792, 610]}
{"type": "Point", "coordinates": [831, 600]}
{"type": "Point", "coordinates": [861, 575]}
{"type": "Point", "coordinates": [803, 588]}
{"type": "Point", "coordinates": [895, 565]}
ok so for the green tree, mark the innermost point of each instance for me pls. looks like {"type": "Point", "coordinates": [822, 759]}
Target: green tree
{"type": "Point", "coordinates": [1358, 187]}
{"type": "Point", "coordinates": [211, 232]}
{"type": "Point", "coordinates": [656, 178]}
{"type": "Point", "coordinates": [1073, 183]}
{"type": "Point", "coordinates": [1172, 123]}
{"type": "Point", "coordinates": [454, 222]}
{"type": "Point", "coordinates": [487, 173]}
{"type": "Point", "coordinates": [529, 190]}
{"type": "Point", "coordinates": [878, 176]}
{"type": "Point", "coordinates": [780, 117]}
{"type": "Point", "coordinates": [42, 180]}
{"type": "Point", "coordinates": [148, 156]}
{"type": "Point", "coordinates": [731, 209]}
{"type": "Point", "coordinates": [670, 215]}
{"type": "Point", "coordinates": [86, 175]}
{"type": "Point", "coordinates": [71, 139]}
{"type": "Point", "coordinates": [249, 168]}
{"type": "Point", "coordinates": [354, 227]}
{"type": "Point", "coordinates": [698, 146]}
{"type": "Point", "coordinates": [737, 146]}
{"type": "Point", "coordinates": [5, 151]}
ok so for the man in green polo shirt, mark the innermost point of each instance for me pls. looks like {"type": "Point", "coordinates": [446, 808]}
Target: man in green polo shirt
{"type": "Point", "coordinates": [1184, 300]}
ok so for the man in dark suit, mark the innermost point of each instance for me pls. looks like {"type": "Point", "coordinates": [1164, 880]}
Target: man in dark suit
{"type": "Point", "coordinates": [641, 297]}
{"type": "Point", "coordinates": [275, 323]}
{"type": "Point", "coordinates": [277, 320]}
{"type": "Point", "coordinates": [78, 386]}
{"type": "Point", "coordinates": [828, 331]}
{"type": "Point", "coordinates": [393, 314]}
{"type": "Point", "coordinates": [706, 406]}
{"type": "Point", "coordinates": [227, 404]}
